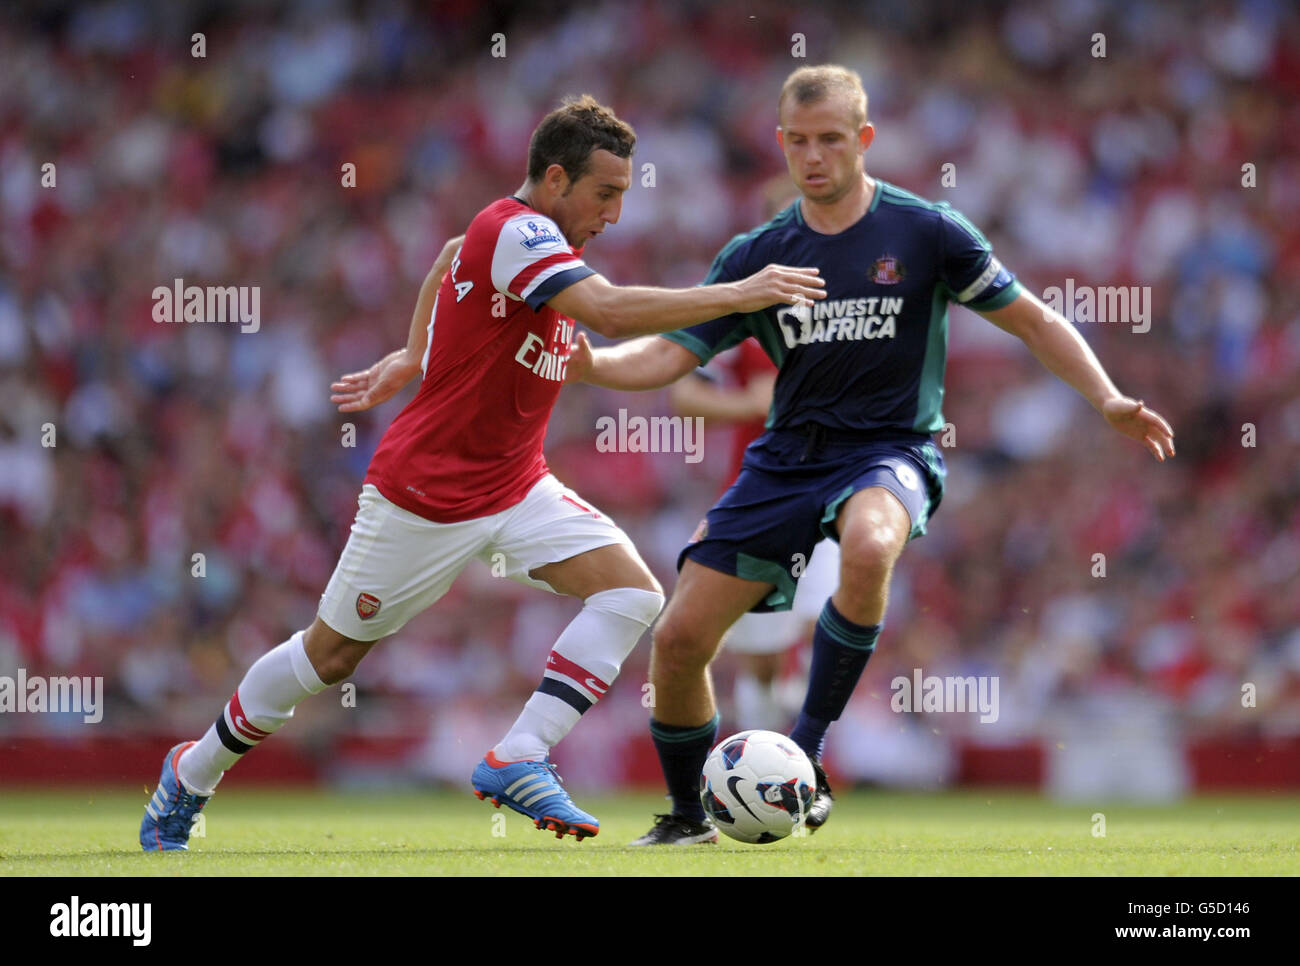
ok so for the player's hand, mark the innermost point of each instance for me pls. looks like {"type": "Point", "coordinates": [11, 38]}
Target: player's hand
{"type": "Point", "coordinates": [780, 284]}
{"type": "Point", "coordinates": [358, 391]}
{"type": "Point", "coordinates": [1132, 418]}
{"type": "Point", "coordinates": [580, 360]}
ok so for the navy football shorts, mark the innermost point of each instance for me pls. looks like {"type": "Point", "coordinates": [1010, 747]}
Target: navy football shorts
{"type": "Point", "coordinates": [791, 486]}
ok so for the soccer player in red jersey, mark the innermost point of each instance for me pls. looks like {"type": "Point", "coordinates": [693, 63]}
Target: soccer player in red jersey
{"type": "Point", "coordinates": [460, 475]}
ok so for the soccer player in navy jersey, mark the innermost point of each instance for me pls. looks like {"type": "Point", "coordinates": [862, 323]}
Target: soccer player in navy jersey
{"type": "Point", "coordinates": [848, 452]}
{"type": "Point", "coordinates": [742, 395]}
{"type": "Point", "coordinates": [460, 475]}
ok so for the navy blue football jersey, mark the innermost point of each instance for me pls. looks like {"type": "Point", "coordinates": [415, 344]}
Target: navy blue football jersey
{"type": "Point", "coordinates": [871, 356]}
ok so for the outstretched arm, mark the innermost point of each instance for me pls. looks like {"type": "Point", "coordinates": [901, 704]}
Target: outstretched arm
{"type": "Point", "coordinates": [697, 396]}
{"type": "Point", "coordinates": [1056, 344]}
{"type": "Point", "coordinates": [369, 387]}
{"type": "Point", "coordinates": [622, 311]}
{"type": "Point", "coordinates": [645, 363]}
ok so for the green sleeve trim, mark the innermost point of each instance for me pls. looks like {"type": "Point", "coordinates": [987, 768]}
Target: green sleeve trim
{"type": "Point", "coordinates": [929, 391]}
{"type": "Point", "coordinates": [963, 222]}
{"type": "Point", "coordinates": [688, 341]}
{"type": "Point", "coordinates": [1001, 300]}
{"type": "Point", "coordinates": [905, 201]}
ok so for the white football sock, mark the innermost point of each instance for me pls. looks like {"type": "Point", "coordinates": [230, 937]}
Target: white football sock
{"type": "Point", "coordinates": [580, 668]}
{"type": "Point", "coordinates": [260, 706]}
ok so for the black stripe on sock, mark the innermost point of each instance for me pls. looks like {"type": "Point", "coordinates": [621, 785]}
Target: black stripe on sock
{"type": "Point", "coordinates": [229, 740]}
{"type": "Point", "coordinates": [569, 695]}
{"type": "Point", "coordinates": [679, 733]}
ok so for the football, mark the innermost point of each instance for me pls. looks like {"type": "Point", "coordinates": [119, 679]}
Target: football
{"type": "Point", "coordinates": [757, 786]}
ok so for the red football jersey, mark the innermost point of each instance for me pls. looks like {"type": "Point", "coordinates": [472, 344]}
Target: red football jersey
{"type": "Point", "coordinates": [742, 364]}
{"type": "Point", "coordinates": [470, 443]}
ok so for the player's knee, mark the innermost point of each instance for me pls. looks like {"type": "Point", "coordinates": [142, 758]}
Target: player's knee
{"type": "Point", "coordinates": [634, 603]}
{"type": "Point", "coordinates": [336, 667]}
{"type": "Point", "coordinates": [867, 554]}
{"type": "Point", "coordinates": [333, 656]}
{"type": "Point", "coordinates": [678, 649]}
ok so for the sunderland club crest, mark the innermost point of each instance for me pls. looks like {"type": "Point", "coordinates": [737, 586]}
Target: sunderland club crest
{"type": "Point", "coordinates": [367, 606]}
{"type": "Point", "coordinates": [887, 270]}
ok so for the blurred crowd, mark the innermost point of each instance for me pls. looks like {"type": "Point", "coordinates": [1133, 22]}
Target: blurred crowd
{"type": "Point", "coordinates": [126, 162]}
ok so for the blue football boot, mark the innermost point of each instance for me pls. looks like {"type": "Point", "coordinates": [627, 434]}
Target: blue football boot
{"type": "Point", "coordinates": [532, 788]}
{"type": "Point", "coordinates": [169, 815]}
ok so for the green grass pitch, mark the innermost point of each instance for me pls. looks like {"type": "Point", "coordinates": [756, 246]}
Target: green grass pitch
{"type": "Point", "coordinates": [260, 832]}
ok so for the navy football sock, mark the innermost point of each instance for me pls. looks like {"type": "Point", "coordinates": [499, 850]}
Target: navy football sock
{"type": "Point", "coordinates": [683, 750]}
{"type": "Point", "coordinates": [841, 650]}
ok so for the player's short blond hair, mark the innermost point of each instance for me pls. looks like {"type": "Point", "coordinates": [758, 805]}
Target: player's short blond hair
{"type": "Point", "coordinates": [808, 85]}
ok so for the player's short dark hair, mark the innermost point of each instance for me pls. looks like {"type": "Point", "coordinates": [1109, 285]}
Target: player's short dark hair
{"type": "Point", "coordinates": [808, 85]}
{"type": "Point", "coordinates": [569, 134]}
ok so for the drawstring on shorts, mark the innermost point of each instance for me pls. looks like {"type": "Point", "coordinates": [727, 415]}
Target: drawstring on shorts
{"type": "Point", "coordinates": [816, 434]}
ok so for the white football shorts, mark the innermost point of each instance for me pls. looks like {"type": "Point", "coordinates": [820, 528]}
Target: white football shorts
{"type": "Point", "coordinates": [397, 563]}
{"type": "Point", "coordinates": [772, 633]}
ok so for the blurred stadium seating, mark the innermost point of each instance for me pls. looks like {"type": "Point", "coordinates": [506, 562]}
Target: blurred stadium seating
{"type": "Point", "coordinates": [226, 169]}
